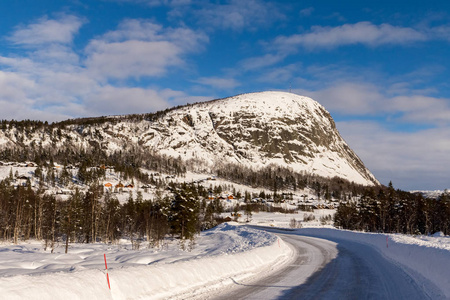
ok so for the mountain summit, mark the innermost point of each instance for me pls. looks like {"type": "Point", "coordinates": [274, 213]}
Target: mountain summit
{"type": "Point", "coordinates": [258, 129]}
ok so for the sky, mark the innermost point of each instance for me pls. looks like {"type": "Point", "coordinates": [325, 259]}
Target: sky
{"type": "Point", "coordinates": [381, 68]}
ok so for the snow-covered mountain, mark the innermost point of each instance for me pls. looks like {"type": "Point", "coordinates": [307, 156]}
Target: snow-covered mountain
{"type": "Point", "coordinates": [259, 129]}
{"type": "Point", "coordinates": [254, 129]}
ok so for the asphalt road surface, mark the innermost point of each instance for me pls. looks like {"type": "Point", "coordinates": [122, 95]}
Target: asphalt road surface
{"type": "Point", "coordinates": [324, 269]}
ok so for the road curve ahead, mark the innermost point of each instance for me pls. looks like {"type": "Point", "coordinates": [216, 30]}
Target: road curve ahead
{"type": "Point", "coordinates": [326, 269]}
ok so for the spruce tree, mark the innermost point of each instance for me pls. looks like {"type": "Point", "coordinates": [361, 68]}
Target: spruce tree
{"type": "Point", "coordinates": [184, 211]}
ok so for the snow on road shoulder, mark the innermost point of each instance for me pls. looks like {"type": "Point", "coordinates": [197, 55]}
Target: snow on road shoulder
{"type": "Point", "coordinates": [427, 259]}
{"type": "Point", "coordinates": [220, 253]}
{"type": "Point", "coordinates": [437, 240]}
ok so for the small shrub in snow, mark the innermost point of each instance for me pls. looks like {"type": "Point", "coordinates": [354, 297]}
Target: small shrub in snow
{"type": "Point", "coordinates": [308, 218]}
{"type": "Point", "coordinates": [295, 224]}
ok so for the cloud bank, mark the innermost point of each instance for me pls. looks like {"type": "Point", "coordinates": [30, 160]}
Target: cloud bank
{"type": "Point", "coordinates": [52, 81]}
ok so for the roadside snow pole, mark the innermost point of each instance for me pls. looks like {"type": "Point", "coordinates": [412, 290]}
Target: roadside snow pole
{"type": "Point", "coordinates": [106, 267]}
{"type": "Point", "coordinates": [387, 246]}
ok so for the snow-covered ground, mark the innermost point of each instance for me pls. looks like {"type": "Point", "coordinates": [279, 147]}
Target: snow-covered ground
{"type": "Point", "coordinates": [221, 254]}
{"type": "Point", "coordinates": [431, 194]}
{"type": "Point", "coordinates": [29, 272]}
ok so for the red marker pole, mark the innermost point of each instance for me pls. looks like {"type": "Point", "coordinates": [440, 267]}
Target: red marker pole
{"type": "Point", "coordinates": [387, 246]}
{"type": "Point", "coordinates": [106, 267]}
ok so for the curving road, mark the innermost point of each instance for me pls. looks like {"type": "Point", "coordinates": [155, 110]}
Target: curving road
{"type": "Point", "coordinates": [324, 269]}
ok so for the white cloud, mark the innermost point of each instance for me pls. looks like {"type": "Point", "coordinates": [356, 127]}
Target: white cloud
{"type": "Point", "coordinates": [356, 92]}
{"type": "Point", "coordinates": [21, 111]}
{"type": "Point", "coordinates": [415, 160]}
{"type": "Point", "coordinates": [238, 14]}
{"type": "Point", "coordinates": [306, 12]}
{"type": "Point", "coordinates": [13, 87]}
{"type": "Point", "coordinates": [261, 61]}
{"type": "Point", "coordinates": [22, 98]}
{"type": "Point", "coordinates": [50, 82]}
{"type": "Point", "coordinates": [47, 42]}
{"type": "Point", "coordinates": [110, 100]}
{"type": "Point", "coordinates": [55, 96]}
{"type": "Point", "coordinates": [220, 83]}
{"type": "Point", "coordinates": [280, 75]}
{"type": "Point", "coordinates": [423, 109]}
{"type": "Point", "coordinates": [132, 58]}
{"type": "Point", "coordinates": [143, 30]}
{"type": "Point", "coordinates": [56, 54]}
{"type": "Point", "coordinates": [34, 92]}
{"type": "Point", "coordinates": [368, 100]}
{"type": "Point", "coordinates": [364, 33]}
{"type": "Point", "coordinates": [350, 98]}
{"type": "Point", "coordinates": [141, 48]}
{"type": "Point", "coordinates": [440, 32]}
{"type": "Point", "coordinates": [45, 31]}
{"type": "Point", "coordinates": [155, 2]}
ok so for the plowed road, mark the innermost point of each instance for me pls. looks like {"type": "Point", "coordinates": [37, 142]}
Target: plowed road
{"type": "Point", "coordinates": [324, 269]}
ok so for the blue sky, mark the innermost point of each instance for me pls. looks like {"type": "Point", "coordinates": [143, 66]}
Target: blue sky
{"type": "Point", "coordinates": [381, 67]}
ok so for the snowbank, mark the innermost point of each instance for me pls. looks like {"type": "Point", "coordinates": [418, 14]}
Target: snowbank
{"type": "Point", "coordinates": [167, 280]}
{"type": "Point", "coordinates": [224, 252]}
{"type": "Point", "coordinates": [423, 258]}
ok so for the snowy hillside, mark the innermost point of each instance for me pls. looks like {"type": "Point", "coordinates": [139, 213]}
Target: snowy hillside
{"type": "Point", "coordinates": [251, 129]}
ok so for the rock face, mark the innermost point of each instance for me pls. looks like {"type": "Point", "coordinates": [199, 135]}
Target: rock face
{"type": "Point", "coordinates": [254, 129]}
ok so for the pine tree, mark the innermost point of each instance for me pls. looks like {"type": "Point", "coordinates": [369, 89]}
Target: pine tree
{"type": "Point", "coordinates": [184, 217]}
{"type": "Point", "coordinates": [248, 211]}
{"type": "Point", "coordinates": [111, 218]}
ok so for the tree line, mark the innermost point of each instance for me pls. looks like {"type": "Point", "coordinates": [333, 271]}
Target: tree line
{"type": "Point", "coordinates": [278, 178]}
{"type": "Point", "coordinates": [128, 161]}
{"type": "Point", "coordinates": [385, 209]}
{"type": "Point", "coordinates": [96, 216]}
